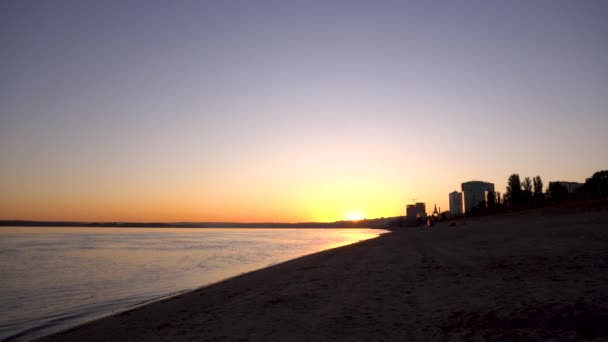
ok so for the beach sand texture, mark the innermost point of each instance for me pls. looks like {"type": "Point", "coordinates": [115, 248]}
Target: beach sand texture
{"type": "Point", "coordinates": [533, 275]}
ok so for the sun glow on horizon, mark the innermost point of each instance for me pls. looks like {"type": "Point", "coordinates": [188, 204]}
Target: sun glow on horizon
{"type": "Point", "coordinates": [354, 216]}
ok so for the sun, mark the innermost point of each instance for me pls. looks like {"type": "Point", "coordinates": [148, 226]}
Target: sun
{"type": "Point", "coordinates": [355, 216]}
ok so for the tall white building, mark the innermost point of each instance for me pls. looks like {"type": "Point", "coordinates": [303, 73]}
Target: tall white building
{"type": "Point", "coordinates": [456, 203]}
{"type": "Point", "coordinates": [475, 192]}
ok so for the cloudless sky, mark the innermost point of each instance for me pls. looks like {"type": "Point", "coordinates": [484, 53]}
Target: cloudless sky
{"type": "Point", "coordinates": [291, 110]}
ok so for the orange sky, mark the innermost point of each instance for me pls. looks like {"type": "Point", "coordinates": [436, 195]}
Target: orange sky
{"type": "Point", "coordinates": [326, 192]}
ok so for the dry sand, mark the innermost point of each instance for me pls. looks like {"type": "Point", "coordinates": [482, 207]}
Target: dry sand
{"type": "Point", "coordinates": [538, 275]}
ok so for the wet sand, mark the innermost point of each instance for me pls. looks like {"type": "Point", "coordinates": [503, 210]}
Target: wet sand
{"type": "Point", "coordinates": [533, 275]}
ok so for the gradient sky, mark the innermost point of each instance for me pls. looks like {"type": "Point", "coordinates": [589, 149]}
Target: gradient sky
{"type": "Point", "coordinates": [291, 110]}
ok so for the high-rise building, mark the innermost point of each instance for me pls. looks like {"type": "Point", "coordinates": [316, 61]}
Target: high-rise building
{"type": "Point", "coordinates": [415, 211]}
{"type": "Point", "coordinates": [475, 192]}
{"type": "Point", "coordinates": [456, 203]}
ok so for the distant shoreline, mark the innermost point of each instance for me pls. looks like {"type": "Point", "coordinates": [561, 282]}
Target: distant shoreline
{"type": "Point", "coordinates": [373, 223]}
{"type": "Point", "coordinates": [389, 223]}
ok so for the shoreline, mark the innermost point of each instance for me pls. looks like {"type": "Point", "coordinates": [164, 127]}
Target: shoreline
{"type": "Point", "coordinates": [527, 275]}
{"type": "Point", "coordinates": [200, 288]}
{"type": "Point", "coordinates": [126, 310]}
{"type": "Point", "coordinates": [56, 323]}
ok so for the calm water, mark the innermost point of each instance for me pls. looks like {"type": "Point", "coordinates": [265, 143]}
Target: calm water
{"type": "Point", "coordinates": [53, 278]}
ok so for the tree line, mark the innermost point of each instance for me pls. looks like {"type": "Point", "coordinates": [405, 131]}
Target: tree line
{"type": "Point", "coordinates": [529, 193]}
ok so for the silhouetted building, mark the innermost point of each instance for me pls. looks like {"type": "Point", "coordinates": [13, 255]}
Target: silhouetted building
{"type": "Point", "coordinates": [415, 211]}
{"type": "Point", "coordinates": [571, 186]}
{"type": "Point", "coordinates": [475, 192]}
{"type": "Point", "coordinates": [456, 203]}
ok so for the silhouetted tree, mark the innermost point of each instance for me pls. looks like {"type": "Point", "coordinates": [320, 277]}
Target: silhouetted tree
{"type": "Point", "coordinates": [597, 186]}
{"type": "Point", "coordinates": [538, 186]}
{"type": "Point", "coordinates": [527, 189]}
{"type": "Point", "coordinates": [558, 192]}
{"type": "Point", "coordinates": [491, 201]}
{"type": "Point", "coordinates": [527, 184]}
{"type": "Point", "coordinates": [513, 194]}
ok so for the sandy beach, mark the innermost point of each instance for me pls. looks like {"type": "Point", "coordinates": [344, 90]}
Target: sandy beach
{"type": "Point", "coordinates": [536, 275]}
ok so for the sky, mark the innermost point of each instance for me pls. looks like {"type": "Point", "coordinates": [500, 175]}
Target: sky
{"type": "Point", "coordinates": [291, 111]}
